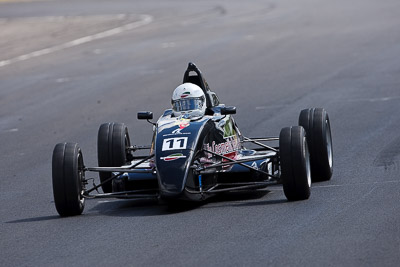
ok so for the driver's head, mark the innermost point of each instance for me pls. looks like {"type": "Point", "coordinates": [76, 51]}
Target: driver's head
{"type": "Point", "coordinates": [188, 98]}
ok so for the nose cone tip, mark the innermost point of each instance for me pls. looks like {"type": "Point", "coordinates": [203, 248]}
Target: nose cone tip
{"type": "Point", "coordinates": [168, 194]}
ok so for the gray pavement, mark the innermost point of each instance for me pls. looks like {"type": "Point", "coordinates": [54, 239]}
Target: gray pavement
{"type": "Point", "coordinates": [270, 59]}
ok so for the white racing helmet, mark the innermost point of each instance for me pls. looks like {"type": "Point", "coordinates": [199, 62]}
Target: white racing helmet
{"type": "Point", "coordinates": [188, 98]}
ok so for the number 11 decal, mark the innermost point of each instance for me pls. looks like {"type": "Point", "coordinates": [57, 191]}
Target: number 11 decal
{"type": "Point", "coordinates": [174, 143]}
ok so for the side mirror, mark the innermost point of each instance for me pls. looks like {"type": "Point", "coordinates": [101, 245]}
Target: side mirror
{"type": "Point", "coordinates": [145, 115]}
{"type": "Point", "coordinates": [228, 110]}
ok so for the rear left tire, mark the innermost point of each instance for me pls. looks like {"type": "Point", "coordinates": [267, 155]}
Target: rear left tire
{"type": "Point", "coordinates": [112, 149]}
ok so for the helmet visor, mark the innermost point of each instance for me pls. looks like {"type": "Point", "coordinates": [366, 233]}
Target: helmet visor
{"type": "Point", "coordinates": [187, 104]}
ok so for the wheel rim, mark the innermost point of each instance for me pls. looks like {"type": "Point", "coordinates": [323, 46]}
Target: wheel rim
{"type": "Point", "coordinates": [308, 165]}
{"type": "Point", "coordinates": [81, 178]}
{"type": "Point", "coordinates": [329, 143]}
{"type": "Point", "coordinates": [127, 145]}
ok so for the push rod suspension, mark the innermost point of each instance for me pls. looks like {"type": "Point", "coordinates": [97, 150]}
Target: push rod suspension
{"type": "Point", "coordinates": [134, 148]}
{"type": "Point", "coordinates": [260, 144]}
{"type": "Point", "coordinates": [248, 186]}
{"type": "Point", "coordinates": [126, 194]}
{"type": "Point", "coordinates": [118, 174]}
{"type": "Point", "coordinates": [266, 139]}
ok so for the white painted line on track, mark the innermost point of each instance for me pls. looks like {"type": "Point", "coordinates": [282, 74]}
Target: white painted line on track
{"type": "Point", "coordinates": [379, 99]}
{"type": "Point", "coordinates": [144, 20]}
{"type": "Point", "coordinates": [357, 184]}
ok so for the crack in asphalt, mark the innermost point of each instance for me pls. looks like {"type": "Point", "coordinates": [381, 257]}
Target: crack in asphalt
{"type": "Point", "coordinates": [388, 157]}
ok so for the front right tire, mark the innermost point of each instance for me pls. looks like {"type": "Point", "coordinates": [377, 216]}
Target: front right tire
{"type": "Point", "coordinates": [295, 163]}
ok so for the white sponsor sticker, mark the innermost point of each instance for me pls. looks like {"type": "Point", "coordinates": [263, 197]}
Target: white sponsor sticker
{"type": "Point", "coordinates": [174, 143]}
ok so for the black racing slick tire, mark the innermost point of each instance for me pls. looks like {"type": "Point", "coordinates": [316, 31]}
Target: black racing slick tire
{"type": "Point", "coordinates": [319, 139]}
{"type": "Point", "coordinates": [68, 178]}
{"type": "Point", "coordinates": [295, 163]}
{"type": "Point", "coordinates": [112, 149]}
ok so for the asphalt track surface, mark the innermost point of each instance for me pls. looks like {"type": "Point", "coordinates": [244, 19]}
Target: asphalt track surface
{"type": "Point", "coordinates": [270, 59]}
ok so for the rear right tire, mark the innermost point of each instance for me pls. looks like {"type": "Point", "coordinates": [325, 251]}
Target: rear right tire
{"type": "Point", "coordinates": [315, 122]}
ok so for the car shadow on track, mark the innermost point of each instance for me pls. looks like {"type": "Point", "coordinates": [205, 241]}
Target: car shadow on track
{"type": "Point", "coordinates": [151, 207]}
{"type": "Point", "coordinates": [121, 208]}
{"type": "Point", "coordinates": [139, 208]}
{"type": "Point", "coordinates": [35, 219]}
{"type": "Point", "coordinates": [244, 198]}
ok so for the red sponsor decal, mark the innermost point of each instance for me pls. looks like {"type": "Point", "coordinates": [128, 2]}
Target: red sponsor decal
{"type": "Point", "coordinates": [173, 157]}
{"type": "Point", "coordinates": [184, 124]}
{"type": "Point", "coordinates": [228, 148]}
{"type": "Point", "coordinates": [185, 94]}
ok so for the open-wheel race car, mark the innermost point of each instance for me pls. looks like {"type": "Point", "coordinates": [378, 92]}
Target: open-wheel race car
{"type": "Point", "coordinates": [197, 151]}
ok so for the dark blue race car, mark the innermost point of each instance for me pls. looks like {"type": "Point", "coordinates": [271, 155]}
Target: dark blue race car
{"type": "Point", "coordinates": [197, 152]}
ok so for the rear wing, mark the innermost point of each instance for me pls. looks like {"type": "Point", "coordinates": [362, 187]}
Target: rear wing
{"type": "Point", "coordinates": [198, 79]}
